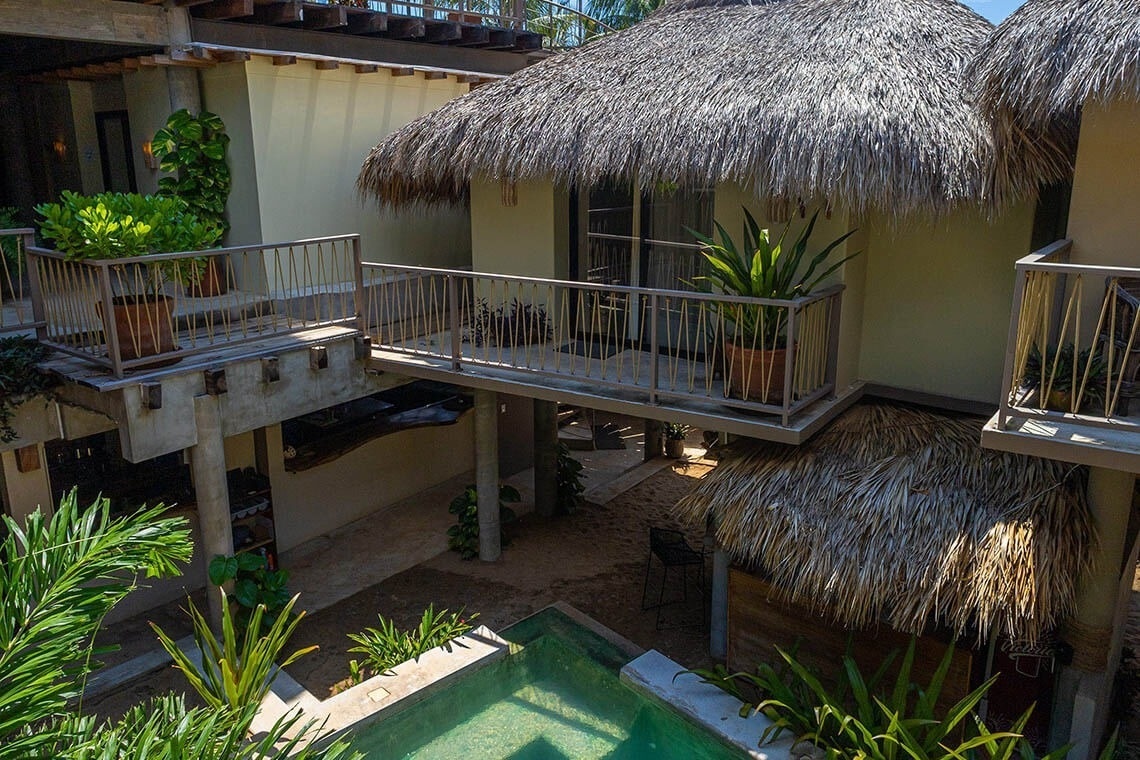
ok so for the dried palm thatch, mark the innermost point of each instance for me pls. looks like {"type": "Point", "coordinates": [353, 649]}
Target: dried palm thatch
{"type": "Point", "coordinates": [1039, 68]}
{"type": "Point", "coordinates": [859, 101]}
{"type": "Point", "coordinates": [897, 514]}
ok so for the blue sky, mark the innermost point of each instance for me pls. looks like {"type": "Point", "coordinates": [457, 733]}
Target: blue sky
{"type": "Point", "coordinates": [994, 10]}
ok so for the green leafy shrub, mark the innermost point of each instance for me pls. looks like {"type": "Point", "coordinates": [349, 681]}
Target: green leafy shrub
{"type": "Point", "coordinates": [20, 378]}
{"type": "Point", "coordinates": [387, 646]}
{"type": "Point", "coordinates": [867, 718]}
{"type": "Point", "coordinates": [194, 148]}
{"type": "Point", "coordinates": [569, 478]}
{"type": "Point", "coordinates": [463, 537]}
{"type": "Point", "coordinates": [232, 674]}
{"type": "Point", "coordinates": [10, 245]}
{"type": "Point", "coordinates": [255, 585]}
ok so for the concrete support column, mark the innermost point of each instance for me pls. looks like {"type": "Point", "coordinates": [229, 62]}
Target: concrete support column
{"type": "Point", "coordinates": [208, 466]}
{"type": "Point", "coordinates": [654, 442]}
{"type": "Point", "coordinates": [1085, 686]}
{"type": "Point", "coordinates": [182, 86]}
{"type": "Point", "coordinates": [545, 457]}
{"type": "Point", "coordinates": [718, 607]}
{"type": "Point", "coordinates": [487, 473]}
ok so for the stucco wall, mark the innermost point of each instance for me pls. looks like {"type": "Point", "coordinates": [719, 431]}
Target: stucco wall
{"type": "Point", "coordinates": [225, 91]}
{"type": "Point", "coordinates": [938, 297]}
{"type": "Point", "coordinates": [148, 108]}
{"type": "Point", "coordinates": [529, 238]}
{"type": "Point", "coordinates": [385, 470]}
{"type": "Point", "coordinates": [1104, 213]}
{"type": "Point", "coordinates": [86, 138]}
{"type": "Point", "coordinates": [311, 131]}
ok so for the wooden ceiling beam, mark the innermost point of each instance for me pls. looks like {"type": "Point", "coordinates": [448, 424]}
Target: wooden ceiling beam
{"type": "Point", "coordinates": [323, 65]}
{"type": "Point", "coordinates": [290, 12]}
{"type": "Point", "coordinates": [404, 28]}
{"type": "Point", "coordinates": [474, 36]}
{"type": "Point", "coordinates": [442, 31]}
{"type": "Point", "coordinates": [429, 75]}
{"type": "Point", "coordinates": [402, 71]}
{"type": "Point", "coordinates": [284, 60]}
{"type": "Point", "coordinates": [366, 68]}
{"type": "Point", "coordinates": [323, 17]}
{"type": "Point", "coordinates": [221, 10]}
{"type": "Point", "coordinates": [367, 23]}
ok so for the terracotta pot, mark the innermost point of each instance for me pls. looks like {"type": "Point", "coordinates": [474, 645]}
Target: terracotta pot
{"type": "Point", "coordinates": [674, 448]}
{"type": "Point", "coordinates": [760, 371]}
{"type": "Point", "coordinates": [144, 327]}
{"type": "Point", "coordinates": [211, 283]}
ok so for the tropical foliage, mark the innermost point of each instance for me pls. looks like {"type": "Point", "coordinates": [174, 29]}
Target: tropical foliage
{"type": "Point", "coordinates": [872, 717]}
{"type": "Point", "coordinates": [59, 577]}
{"type": "Point", "coordinates": [194, 148]}
{"type": "Point", "coordinates": [255, 585]}
{"type": "Point", "coordinates": [763, 268]}
{"type": "Point", "coordinates": [463, 537]}
{"type": "Point", "coordinates": [231, 673]}
{"type": "Point", "coordinates": [12, 264]}
{"type": "Point", "coordinates": [569, 481]}
{"type": "Point", "coordinates": [387, 646]}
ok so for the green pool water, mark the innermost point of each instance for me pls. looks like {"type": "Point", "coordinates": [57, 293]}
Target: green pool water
{"type": "Point", "coordinates": [558, 697]}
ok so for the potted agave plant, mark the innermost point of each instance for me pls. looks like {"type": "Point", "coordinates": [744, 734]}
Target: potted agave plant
{"type": "Point", "coordinates": [674, 433]}
{"type": "Point", "coordinates": [755, 336]}
{"type": "Point", "coordinates": [122, 227]}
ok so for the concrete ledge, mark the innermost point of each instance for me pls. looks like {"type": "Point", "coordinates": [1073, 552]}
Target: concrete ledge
{"type": "Point", "coordinates": [655, 676]}
{"type": "Point", "coordinates": [409, 683]}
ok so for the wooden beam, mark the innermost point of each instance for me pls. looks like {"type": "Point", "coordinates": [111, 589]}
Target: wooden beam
{"type": "Point", "coordinates": [528, 41]}
{"type": "Point", "coordinates": [402, 71]}
{"type": "Point", "coordinates": [290, 12]}
{"type": "Point", "coordinates": [320, 17]}
{"type": "Point", "coordinates": [284, 60]}
{"type": "Point", "coordinates": [130, 64]}
{"type": "Point", "coordinates": [474, 35]}
{"type": "Point", "coordinates": [366, 68]}
{"type": "Point", "coordinates": [184, 58]}
{"type": "Point", "coordinates": [326, 65]}
{"type": "Point", "coordinates": [367, 23]}
{"type": "Point", "coordinates": [404, 28]}
{"type": "Point", "coordinates": [429, 75]}
{"type": "Point", "coordinates": [225, 9]}
{"type": "Point", "coordinates": [442, 31]}
{"type": "Point", "coordinates": [87, 20]}
{"type": "Point", "coordinates": [468, 78]}
{"type": "Point", "coordinates": [502, 39]}
{"type": "Point", "coordinates": [230, 56]}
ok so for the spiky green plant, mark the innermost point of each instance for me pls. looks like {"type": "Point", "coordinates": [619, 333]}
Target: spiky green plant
{"type": "Point", "coordinates": [388, 646]}
{"type": "Point", "coordinates": [233, 673]}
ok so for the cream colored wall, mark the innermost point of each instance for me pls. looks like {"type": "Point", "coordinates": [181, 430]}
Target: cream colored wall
{"type": "Point", "coordinates": [25, 491]}
{"type": "Point", "coordinates": [240, 452]}
{"type": "Point", "coordinates": [525, 239]}
{"type": "Point", "coordinates": [313, 502]}
{"type": "Point", "coordinates": [225, 91]}
{"type": "Point", "coordinates": [938, 296]}
{"type": "Point", "coordinates": [1104, 213]}
{"type": "Point", "coordinates": [311, 131]}
{"type": "Point", "coordinates": [86, 138]}
{"type": "Point", "coordinates": [148, 107]}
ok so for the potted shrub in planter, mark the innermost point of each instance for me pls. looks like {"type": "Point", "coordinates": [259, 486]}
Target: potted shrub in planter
{"type": "Point", "coordinates": [755, 336]}
{"type": "Point", "coordinates": [1057, 392]}
{"type": "Point", "coordinates": [674, 433]}
{"type": "Point", "coordinates": [125, 226]}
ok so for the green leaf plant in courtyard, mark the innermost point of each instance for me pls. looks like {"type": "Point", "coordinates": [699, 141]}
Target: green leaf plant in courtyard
{"type": "Point", "coordinates": [463, 537]}
{"type": "Point", "coordinates": [387, 646]}
{"type": "Point", "coordinates": [59, 577]}
{"type": "Point", "coordinates": [873, 718]}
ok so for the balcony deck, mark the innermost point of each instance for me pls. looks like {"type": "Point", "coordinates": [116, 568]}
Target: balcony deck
{"type": "Point", "coordinates": [624, 391]}
{"type": "Point", "coordinates": [1071, 393]}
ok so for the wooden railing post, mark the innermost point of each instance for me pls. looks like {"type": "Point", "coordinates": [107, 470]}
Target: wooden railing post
{"type": "Point", "coordinates": [358, 298]}
{"type": "Point", "coordinates": [110, 334]}
{"type": "Point", "coordinates": [1011, 346]}
{"type": "Point", "coordinates": [654, 370]}
{"type": "Point", "coordinates": [454, 322]}
{"type": "Point", "coordinates": [35, 287]}
{"type": "Point", "coordinates": [789, 363]}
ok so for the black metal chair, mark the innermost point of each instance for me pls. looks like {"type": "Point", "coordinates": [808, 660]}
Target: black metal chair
{"type": "Point", "coordinates": [672, 550]}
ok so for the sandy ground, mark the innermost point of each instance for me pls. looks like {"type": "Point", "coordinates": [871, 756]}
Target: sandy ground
{"type": "Point", "coordinates": [593, 559]}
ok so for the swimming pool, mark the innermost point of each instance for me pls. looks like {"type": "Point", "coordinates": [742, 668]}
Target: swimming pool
{"type": "Point", "coordinates": [557, 697]}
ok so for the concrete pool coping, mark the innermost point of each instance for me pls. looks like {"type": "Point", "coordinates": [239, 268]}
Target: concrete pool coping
{"type": "Point", "coordinates": [655, 676]}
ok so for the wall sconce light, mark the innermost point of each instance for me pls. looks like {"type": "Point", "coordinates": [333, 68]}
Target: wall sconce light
{"type": "Point", "coordinates": [59, 147]}
{"type": "Point", "coordinates": [508, 193]}
{"type": "Point", "coordinates": [148, 156]}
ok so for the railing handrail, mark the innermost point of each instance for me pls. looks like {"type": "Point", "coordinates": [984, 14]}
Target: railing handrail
{"type": "Point", "coordinates": [17, 231]}
{"type": "Point", "coordinates": [152, 257]}
{"type": "Point", "coordinates": [818, 295]}
{"type": "Point", "coordinates": [1044, 260]}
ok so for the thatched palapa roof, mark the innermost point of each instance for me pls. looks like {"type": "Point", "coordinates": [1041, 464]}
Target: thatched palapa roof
{"type": "Point", "coordinates": [1040, 67]}
{"type": "Point", "coordinates": [858, 101]}
{"type": "Point", "coordinates": [897, 514]}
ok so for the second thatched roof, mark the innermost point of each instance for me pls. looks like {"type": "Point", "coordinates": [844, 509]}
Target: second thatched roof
{"type": "Point", "coordinates": [858, 101]}
{"type": "Point", "coordinates": [898, 514]}
{"type": "Point", "coordinates": [1041, 66]}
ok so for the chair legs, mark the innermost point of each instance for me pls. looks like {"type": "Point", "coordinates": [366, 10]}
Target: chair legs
{"type": "Point", "coordinates": [660, 603]}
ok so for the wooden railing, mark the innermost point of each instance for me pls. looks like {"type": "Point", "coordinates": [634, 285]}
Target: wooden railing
{"type": "Point", "coordinates": [1074, 341]}
{"type": "Point", "coordinates": [648, 344]}
{"type": "Point", "coordinates": [147, 311]}
{"type": "Point", "coordinates": [17, 308]}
